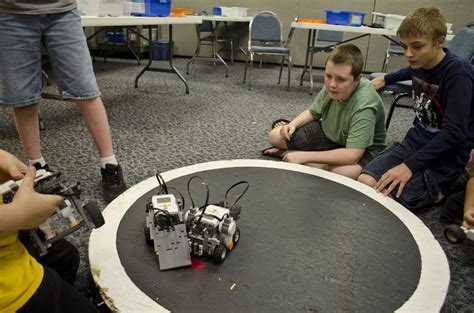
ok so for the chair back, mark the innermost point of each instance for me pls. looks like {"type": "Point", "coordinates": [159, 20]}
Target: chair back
{"type": "Point", "coordinates": [265, 26]}
{"type": "Point", "coordinates": [462, 43]}
{"type": "Point", "coordinates": [205, 26]}
{"type": "Point", "coordinates": [394, 42]}
{"type": "Point", "coordinates": [330, 35]}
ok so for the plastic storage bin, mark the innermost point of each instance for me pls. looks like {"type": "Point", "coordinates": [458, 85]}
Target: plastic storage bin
{"type": "Point", "coordinates": [161, 49]}
{"type": "Point", "coordinates": [347, 18]}
{"type": "Point", "coordinates": [115, 37]}
{"type": "Point", "coordinates": [157, 7]}
{"type": "Point", "coordinates": [388, 21]}
{"type": "Point", "coordinates": [181, 11]}
{"type": "Point", "coordinates": [216, 11]}
{"type": "Point", "coordinates": [308, 20]}
{"type": "Point", "coordinates": [393, 21]}
{"type": "Point", "coordinates": [230, 11]}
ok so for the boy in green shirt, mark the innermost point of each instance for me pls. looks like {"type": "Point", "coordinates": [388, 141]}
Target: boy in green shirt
{"type": "Point", "coordinates": [344, 127]}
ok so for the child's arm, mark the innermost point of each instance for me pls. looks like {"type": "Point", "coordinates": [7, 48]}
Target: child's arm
{"type": "Point", "coordinates": [398, 76]}
{"type": "Point", "coordinates": [401, 75]}
{"type": "Point", "coordinates": [340, 156]}
{"type": "Point", "coordinates": [28, 208]}
{"type": "Point", "coordinates": [286, 131]}
{"type": "Point", "coordinates": [469, 201]}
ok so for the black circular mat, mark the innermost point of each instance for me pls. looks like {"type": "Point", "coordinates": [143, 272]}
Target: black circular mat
{"type": "Point", "coordinates": [307, 244]}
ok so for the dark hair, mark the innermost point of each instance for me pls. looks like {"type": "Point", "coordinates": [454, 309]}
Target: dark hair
{"type": "Point", "coordinates": [348, 54]}
{"type": "Point", "coordinates": [424, 22]}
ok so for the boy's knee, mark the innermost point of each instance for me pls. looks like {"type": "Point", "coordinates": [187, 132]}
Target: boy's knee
{"type": "Point", "coordinates": [366, 180]}
{"type": "Point", "coordinates": [274, 137]}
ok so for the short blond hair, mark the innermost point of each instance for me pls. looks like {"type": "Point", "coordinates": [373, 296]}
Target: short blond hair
{"type": "Point", "coordinates": [348, 54]}
{"type": "Point", "coordinates": [426, 22]}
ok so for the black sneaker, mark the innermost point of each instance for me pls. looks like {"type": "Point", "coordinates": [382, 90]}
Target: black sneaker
{"type": "Point", "coordinates": [38, 166]}
{"type": "Point", "coordinates": [112, 181]}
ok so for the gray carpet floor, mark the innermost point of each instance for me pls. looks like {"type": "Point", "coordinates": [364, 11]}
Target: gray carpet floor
{"type": "Point", "coordinates": [157, 127]}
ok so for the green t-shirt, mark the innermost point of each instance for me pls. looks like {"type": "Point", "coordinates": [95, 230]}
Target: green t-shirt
{"type": "Point", "coordinates": [356, 123]}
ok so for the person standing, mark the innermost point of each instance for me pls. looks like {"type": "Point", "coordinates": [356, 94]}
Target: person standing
{"type": "Point", "coordinates": [26, 26]}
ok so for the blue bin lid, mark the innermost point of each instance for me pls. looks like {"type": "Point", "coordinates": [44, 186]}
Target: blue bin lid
{"type": "Point", "coordinates": [345, 12]}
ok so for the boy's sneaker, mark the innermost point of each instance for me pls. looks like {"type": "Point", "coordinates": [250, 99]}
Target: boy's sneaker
{"type": "Point", "coordinates": [112, 181]}
{"type": "Point", "coordinates": [38, 166]}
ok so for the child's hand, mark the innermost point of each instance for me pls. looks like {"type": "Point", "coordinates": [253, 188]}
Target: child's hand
{"type": "Point", "coordinates": [298, 157]}
{"type": "Point", "coordinates": [33, 208]}
{"type": "Point", "coordinates": [469, 219]}
{"type": "Point", "coordinates": [11, 166]}
{"type": "Point", "coordinates": [396, 176]}
{"type": "Point", "coordinates": [286, 131]}
{"type": "Point", "coordinates": [378, 82]}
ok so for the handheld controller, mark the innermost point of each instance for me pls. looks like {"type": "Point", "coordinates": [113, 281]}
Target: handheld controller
{"type": "Point", "coordinates": [71, 214]}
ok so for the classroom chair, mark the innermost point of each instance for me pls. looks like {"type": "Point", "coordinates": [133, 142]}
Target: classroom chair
{"type": "Point", "coordinates": [394, 49]}
{"type": "Point", "coordinates": [265, 38]}
{"type": "Point", "coordinates": [207, 36]}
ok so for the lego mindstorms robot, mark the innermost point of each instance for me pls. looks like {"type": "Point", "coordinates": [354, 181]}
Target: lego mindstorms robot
{"type": "Point", "coordinates": [71, 214]}
{"type": "Point", "coordinates": [210, 230]}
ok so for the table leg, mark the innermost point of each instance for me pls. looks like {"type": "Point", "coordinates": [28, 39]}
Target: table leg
{"type": "Point", "coordinates": [172, 68]}
{"type": "Point", "coordinates": [170, 36]}
{"type": "Point", "coordinates": [148, 65]}
{"type": "Point", "coordinates": [308, 45]}
{"type": "Point", "coordinates": [198, 49]}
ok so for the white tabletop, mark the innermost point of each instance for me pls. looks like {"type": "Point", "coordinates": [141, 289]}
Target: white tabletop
{"type": "Point", "coordinates": [350, 29]}
{"type": "Point", "coordinates": [220, 18]}
{"type": "Point", "coordinates": [96, 21]}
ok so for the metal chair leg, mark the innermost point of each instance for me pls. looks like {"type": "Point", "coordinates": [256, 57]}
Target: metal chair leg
{"type": "Point", "coordinates": [392, 107]}
{"type": "Point", "coordinates": [289, 71]}
{"type": "Point", "coordinates": [385, 62]}
{"type": "Point", "coordinates": [281, 69]}
{"type": "Point", "coordinates": [250, 72]}
{"type": "Point", "coordinates": [245, 69]}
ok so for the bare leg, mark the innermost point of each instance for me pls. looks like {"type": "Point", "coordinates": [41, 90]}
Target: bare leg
{"type": "Point", "coordinates": [95, 117]}
{"type": "Point", "coordinates": [351, 171]}
{"type": "Point", "coordinates": [27, 125]}
{"type": "Point", "coordinates": [367, 179]}
{"type": "Point", "coordinates": [275, 140]}
{"type": "Point", "coordinates": [318, 165]}
{"type": "Point", "coordinates": [279, 146]}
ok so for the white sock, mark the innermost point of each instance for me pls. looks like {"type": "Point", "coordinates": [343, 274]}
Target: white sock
{"type": "Point", "coordinates": [41, 161]}
{"type": "Point", "coordinates": [108, 160]}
